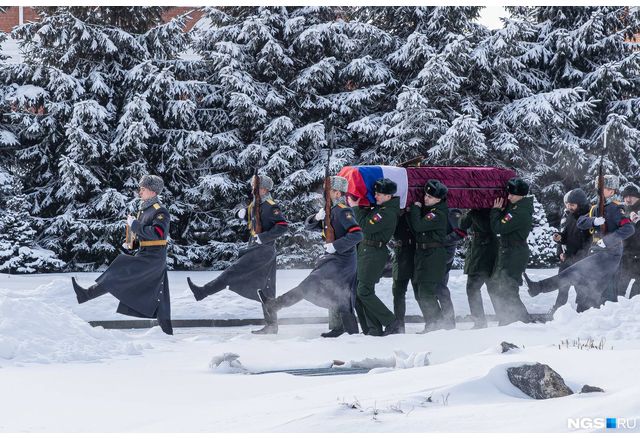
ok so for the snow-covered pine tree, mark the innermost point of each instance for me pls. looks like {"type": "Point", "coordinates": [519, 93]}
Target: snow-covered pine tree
{"type": "Point", "coordinates": [281, 76]}
{"type": "Point", "coordinates": [542, 248]}
{"type": "Point", "coordinates": [69, 94]}
{"type": "Point", "coordinates": [436, 114]}
{"type": "Point", "coordinates": [18, 254]}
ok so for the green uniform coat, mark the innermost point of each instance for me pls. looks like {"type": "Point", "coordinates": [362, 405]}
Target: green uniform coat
{"type": "Point", "coordinates": [378, 224]}
{"type": "Point", "coordinates": [430, 227]}
{"type": "Point", "coordinates": [404, 251]}
{"type": "Point", "coordinates": [483, 251]}
{"type": "Point", "coordinates": [513, 224]}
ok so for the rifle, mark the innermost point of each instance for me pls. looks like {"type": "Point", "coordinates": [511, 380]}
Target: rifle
{"type": "Point", "coordinates": [601, 200]}
{"type": "Point", "coordinates": [329, 232]}
{"type": "Point", "coordinates": [256, 221]}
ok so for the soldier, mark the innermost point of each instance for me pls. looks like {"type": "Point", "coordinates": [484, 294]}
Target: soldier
{"type": "Point", "coordinates": [140, 281]}
{"type": "Point", "coordinates": [593, 275]}
{"type": "Point", "coordinates": [479, 262]}
{"type": "Point", "coordinates": [331, 283]}
{"type": "Point", "coordinates": [630, 263]}
{"type": "Point", "coordinates": [378, 224]}
{"type": "Point", "coordinates": [573, 242]}
{"type": "Point", "coordinates": [512, 224]}
{"type": "Point", "coordinates": [430, 226]}
{"type": "Point", "coordinates": [454, 236]}
{"type": "Point", "coordinates": [255, 269]}
{"type": "Point", "coordinates": [402, 269]}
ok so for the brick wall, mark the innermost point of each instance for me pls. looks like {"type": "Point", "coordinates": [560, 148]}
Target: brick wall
{"type": "Point", "coordinates": [10, 18]}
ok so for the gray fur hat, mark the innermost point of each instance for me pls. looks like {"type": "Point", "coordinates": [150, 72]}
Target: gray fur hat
{"type": "Point", "coordinates": [266, 182]}
{"type": "Point", "coordinates": [339, 184]}
{"type": "Point", "coordinates": [610, 182]}
{"type": "Point", "coordinates": [152, 182]}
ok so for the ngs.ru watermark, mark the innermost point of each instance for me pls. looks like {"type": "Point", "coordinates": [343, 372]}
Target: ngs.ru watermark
{"type": "Point", "coordinates": [602, 423]}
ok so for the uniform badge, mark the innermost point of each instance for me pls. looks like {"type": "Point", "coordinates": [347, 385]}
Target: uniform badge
{"type": "Point", "coordinates": [349, 216]}
{"type": "Point", "coordinates": [377, 218]}
{"type": "Point", "coordinates": [160, 217]}
{"type": "Point", "coordinates": [430, 216]}
{"type": "Point", "coordinates": [508, 217]}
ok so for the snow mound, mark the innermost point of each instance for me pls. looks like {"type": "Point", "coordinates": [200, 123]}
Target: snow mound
{"type": "Point", "coordinates": [613, 321]}
{"type": "Point", "coordinates": [227, 363]}
{"type": "Point", "coordinates": [34, 331]}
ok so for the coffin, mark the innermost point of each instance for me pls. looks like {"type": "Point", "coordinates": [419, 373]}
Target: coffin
{"type": "Point", "coordinates": [469, 187]}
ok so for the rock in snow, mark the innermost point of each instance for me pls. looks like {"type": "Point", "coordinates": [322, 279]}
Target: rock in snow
{"type": "Point", "coordinates": [538, 381]}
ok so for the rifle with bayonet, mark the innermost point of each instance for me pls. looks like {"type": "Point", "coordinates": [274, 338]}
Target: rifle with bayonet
{"type": "Point", "coordinates": [601, 199]}
{"type": "Point", "coordinates": [255, 217]}
{"type": "Point", "coordinates": [329, 232]}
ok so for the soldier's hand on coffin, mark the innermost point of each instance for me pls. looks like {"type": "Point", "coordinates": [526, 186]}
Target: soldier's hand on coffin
{"type": "Point", "coordinates": [601, 243]}
{"type": "Point", "coordinates": [598, 221]}
{"type": "Point", "coordinates": [417, 203]}
{"type": "Point", "coordinates": [320, 215]}
{"type": "Point", "coordinates": [498, 203]}
{"type": "Point", "coordinates": [130, 220]}
{"type": "Point", "coordinates": [329, 248]}
{"type": "Point", "coordinates": [352, 202]}
{"type": "Point", "coordinates": [241, 213]}
{"type": "Point", "coordinates": [634, 217]}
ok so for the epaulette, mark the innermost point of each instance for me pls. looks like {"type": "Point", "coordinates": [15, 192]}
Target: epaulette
{"type": "Point", "coordinates": [342, 205]}
{"type": "Point", "coordinates": [157, 206]}
{"type": "Point", "coordinates": [617, 202]}
{"type": "Point", "coordinates": [271, 202]}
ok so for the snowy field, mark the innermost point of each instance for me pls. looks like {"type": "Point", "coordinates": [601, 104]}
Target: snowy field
{"type": "Point", "coordinates": [62, 375]}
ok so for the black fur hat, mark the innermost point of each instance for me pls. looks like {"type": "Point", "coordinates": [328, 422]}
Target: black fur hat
{"type": "Point", "coordinates": [385, 186]}
{"type": "Point", "coordinates": [517, 186]}
{"type": "Point", "coordinates": [436, 189]}
{"type": "Point", "coordinates": [630, 190]}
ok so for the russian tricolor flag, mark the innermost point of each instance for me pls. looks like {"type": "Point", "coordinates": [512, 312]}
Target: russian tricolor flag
{"type": "Point", "coordinates": [362, 178]}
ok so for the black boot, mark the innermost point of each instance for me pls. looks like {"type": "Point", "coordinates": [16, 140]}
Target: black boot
{"type": "Point", "coordinates": [82, 294]}
{"type": "Point", "coordinates": [333, 333]}
{"type": "Point", "coordinates": [392, 328]}
{"type": "Point", "coordinates": [349, 322]}
{"type": "Point", "coordinates": [270, 314]}
{"type": "Point", "coordinates": [533, 287]}
{"type": "Point", "coordinates": [198, 292]}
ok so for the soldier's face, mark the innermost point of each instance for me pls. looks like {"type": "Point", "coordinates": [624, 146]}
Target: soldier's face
{"type": "Point", "coordinates": [608, 192]}
{"type": "Point", "coordinates": [430, 201]}
{"type": "Point", "coordinates": [514, 198]}
{"type": "Point", "coordinates": [263, 191]}
{"type": "Point", "coordinates": [334, 194]}
{"type": "Point", "coordinates": [630, 200]}
{"type": "Point", "coordinates": [145, 193]}
{"type": "Point", "coordinates": [571, 207]}
{"type": "Point", "coordinates": [382, 198]}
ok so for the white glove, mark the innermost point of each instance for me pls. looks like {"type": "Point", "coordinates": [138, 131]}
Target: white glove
{"type": "Point", "coordinates": [258, 239]}
{"type": "Point", "coordinates": [320, 215]}
{"type": "Point", "coordinates": [242, 213]}
{"type": "Point", "coordinates": [601, 243]}
{"type": "Point", "coordinates": [634, 217]}
{"type": "Point", "coordinates": [329, 248]}
{"type": "Point", "coordinates": [598, 221]}
{"type": "Point", "coordinates": [418, 203]}
{"type": "Point", "coordinates": [126, 246]}
{"type": "Point", "coordinates": [130, 220]}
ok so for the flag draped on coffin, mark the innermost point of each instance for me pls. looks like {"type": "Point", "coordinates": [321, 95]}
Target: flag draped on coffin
{"type": "Point", "coordinates": [469, 187]}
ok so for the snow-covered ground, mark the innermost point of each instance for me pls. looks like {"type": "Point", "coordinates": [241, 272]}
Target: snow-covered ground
{"type": "Point", "coordinates": [63, 375]}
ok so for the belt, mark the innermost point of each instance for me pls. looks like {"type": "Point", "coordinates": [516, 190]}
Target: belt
{"type": "Point", "coordinates": [404, 243]}
{"type": "Point", "coordinates": [377, 244]}
{"type": "Point", "coordinates": [513, 242]}
{"type": "Point", "coordinates": [426, 245]}
{"type": "Point", "coordinates": [156, 243]}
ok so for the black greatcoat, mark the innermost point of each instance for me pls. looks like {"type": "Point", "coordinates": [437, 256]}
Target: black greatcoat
{"type": "Point", "coordinates": [140, 281]}
{"type": "Point", "coordinates": [255, 267]}
{"type": "Point", "coordinates": [331, 284]}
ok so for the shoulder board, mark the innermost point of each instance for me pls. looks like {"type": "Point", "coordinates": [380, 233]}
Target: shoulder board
{"type": "Point", "coordinates": [341, 205]}
{"type": "Point", "coordinates": [156, 206]}
{"type": "Point", "coordinates": [271, 202]}
{"type": "Point", "coordinates": [617, 202]}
